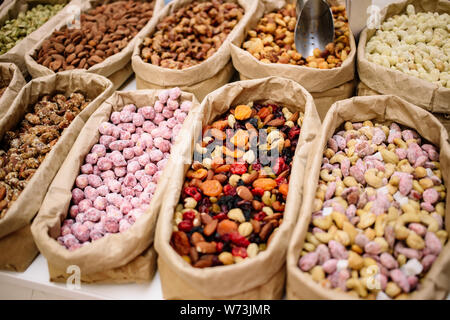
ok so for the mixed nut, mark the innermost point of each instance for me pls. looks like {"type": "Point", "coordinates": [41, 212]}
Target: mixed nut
{"type": "Point", "coordinates": [105, 31]}
{"type": "Point", "coordinates": [26, 22]}
{"type": "Point", "coordinates": [119, 176]}
{"type": "Point", "coordinates": [378, 218]}
{"type": "Point", "coordinates": [233, 199]}
{"type": "Point", "coordinates": [24, 148]}
{"type": "Point", "coordinates": [191, 34]}
{"type": "Point", "coordinates": [272, 40]}
{"type": "Point", "coordinates": [417, 44]}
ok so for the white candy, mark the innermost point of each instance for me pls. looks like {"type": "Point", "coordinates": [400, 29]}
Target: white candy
{"type": "Point", "coordinates": [327, 211]}
{"type": "Point", "coordinates": [341, 265]}
{"type": "Point", "coordinates": [412, 267]}
{"type": "Point", "coordinates": [401, 199]}
{"type": "Point", "coordinates": [382, 296]}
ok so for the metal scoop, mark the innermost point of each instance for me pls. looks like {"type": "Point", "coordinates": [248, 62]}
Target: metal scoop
{"type": "Point", "coordinates": [315, 26]}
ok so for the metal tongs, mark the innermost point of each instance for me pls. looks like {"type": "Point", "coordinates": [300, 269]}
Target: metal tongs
{"type": "Point", "coordinates": [315, 26]}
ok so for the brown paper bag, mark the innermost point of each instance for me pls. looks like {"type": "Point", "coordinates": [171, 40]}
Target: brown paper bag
{"type": "Point", "coordinates": [261, 277]}
{"type": "Point", "coordinates": [326, 86]}
{"type": "Point", "coordinates": [96, 88]}
{"type": "Point", "coordinates": [364, 90]}
{"type": "Point", "coordinates": [10, 76]}
{"type": "Point", "coordinates": [10, 10]}
{"type": "Point", "coordinates": [425, 94]}
{"type": "Point", "coordinates": [119, 257]}
{"type": "Point", "coordinates": [436, 284]}
{"type": "Point", "coordinates": [116, 67]}
{"type": "Point", "coordinates": [199, 79]}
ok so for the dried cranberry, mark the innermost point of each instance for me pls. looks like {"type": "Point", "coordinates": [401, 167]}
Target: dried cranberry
{"type": "Point", "coordinates": [239, 252]}
{"type": "Point", "coordinates": [225, 238]}
{"type": "Point", "coordinates": [238, 168]}
{"type": "Point", "coordinates": [295, 131]}
{"type": "Point", "coordinates": [279, 166]}
{"type": "Point", "coordinates": [189, 215]}
{"type": "Point", "coordinates": [239, 240]}
{"type": "Point", "coordinates": [259, 216]}
{"type": "Point", "coordinates": [281, 180]}
{"type": "Point", "coordinates": [220, 216]}
{"type": "Point", "coordinates": [229, 190]}
{"type": "Point", "coordinates": [193, 192]}
{"type": "Point", "coordinates": [258, 191]}
{"type": "Point", "coordinates": [185, 225]}
{"type": "Point", "coordinates": [256, 166]}
{"type": "Point", "coordinates": [219, 246]}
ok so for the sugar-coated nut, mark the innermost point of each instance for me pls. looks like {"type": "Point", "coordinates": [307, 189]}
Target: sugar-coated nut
{"type": "Point", "coordinates": [94, 181]}
{"type": "Point", "coordinates": [100, 203]}
{"type": "Point", "coordinates": [86, 168]}
{"type": "Point", "coordinates": [308, 261]}
{"type": "Point", "coordinates": [186, 106]}
{"type": "Point", "coordinates": [84, 205]}
{"type": "Point", "coordinates": [105, 141]}
{"type": "Point", "coordinates": [133, 166]}
{"type": "Point", "coordinates": [82, 181]}
{"type": "Point", "coordinates": [80, 231]}
{"type": "Point", "coordinates": [120, 171]}
{"type": "Point", "coordinates": [93, 214]}
{"type": "Point", "coordinates": [73, 211]}
{"type": "Point", "coordinates": [156, 155]}
{"type": "Point", "coordinates": [77, 195]}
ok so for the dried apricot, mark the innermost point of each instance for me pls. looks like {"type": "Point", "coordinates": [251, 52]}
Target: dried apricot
{"type": "Point", "coordinates": [242, 112]}
{"type": "Point", "coordinates": [264, 183]}
{"type": "Point", "coordinates": [220, 124]}
{"type": "Point", "coordinates": [240, 138]}
{"type": "Point", "coordinates": [197, 174]}
{"type": "Point", "coordinates": [264, 112]}
{"type": "Point", "coordinates": [284, 188]}
{"type": "Point", "coordinates": [226, 226]}
{"type": "Point", "coordinates": [211, 188]}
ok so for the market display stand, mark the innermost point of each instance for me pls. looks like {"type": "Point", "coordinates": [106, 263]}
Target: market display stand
{"type": "Point", "coordinates": [34, 283]}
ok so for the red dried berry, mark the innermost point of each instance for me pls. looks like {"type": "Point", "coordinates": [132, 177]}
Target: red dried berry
{"type": "Point", "coordinates": [295, 131]}
{"type": "Point", "coordinates": [239, 252]}
{"type": "Point", "coordinates": [258, 191]}
{"type": "Point", "coordinates": [193, 192]}
{"type": "Point", "coordinates": [229, 190]}
{"type": "Point", "coordinates": [281, 180]}
{"type": "Point", "coordinates": [220, 216]}
{"type": "Point", "coordinates": [185, 225]}
{"type": "Point", "coordinates": [239, 240]}
{"type": "Point", "coordinates": [219, 247]}
{"type": "Point", "coordinates": [238, 168]}
{"type": "Point", "coordinates": [256, 166]}
{"type": "Point", "coordinates": [225, 237]}
{"type": "Point", "coordinates": [279, 166]}
{"type": "Point", "coordinates": [189, 215]}
{"type": "Point", "coordinates": [259, 216]}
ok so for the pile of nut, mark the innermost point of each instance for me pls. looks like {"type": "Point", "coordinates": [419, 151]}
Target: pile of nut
{"type": "Point", "coordinates": [23, 149]}
{"type": "Point", "coordinates": [378, 216]}
{"type": "Point", "coordinates": [119, 176]}
{"type": "Point", "coordinates": [233, 199]}
{"type": "Point", "coordinates": [105, 31]}
{"type": "Point", "coordinates": [191, 34]}
{"type": "Point", "coordinates": [417, 44]}
{"type": "Point", "coordinates": [272, 41]}
{"type": "Point", "coordinates": [26, 22]}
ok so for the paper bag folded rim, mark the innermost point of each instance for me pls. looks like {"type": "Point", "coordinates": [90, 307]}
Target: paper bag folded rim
{"type": "Point", "coordinates": [422, 93]}
{"type": "Point", "coordinates": [199, 73]}
{"type": "Point", "coordinates": [96, 88]}
{"type": "Point", "coordinates": [313, 80]}
{"type": "Point", "coordinates": [231, 281]}
{"type": "Point", "coordinates": [382, 108]}
{"type": "Point", "coordinates": [10, 74]}
{"type": "Point", "coordinates": [110, 65]}
{"type": "Point", "coordinates": [114, 250]}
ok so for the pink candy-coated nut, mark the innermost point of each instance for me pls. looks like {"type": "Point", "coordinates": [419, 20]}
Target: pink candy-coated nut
{"type": "Point", "coordinates": [388, 261]}
{"type": "Point", "coordinates": [394, 134]}
{"type": "Point", "coordinates": [428, 261]}
{"type": "Point", "coordinates": [116, 131]}
{"type": "Point", "coordinates": [413, 281]}
{"type": "Point", "coordinates": [308, 261]}
{"type": "Point", "coordinates": [163, 96]}
{"type": "Point", "coordinates": [99, 226]}
{"type": "Point", "coordinates": [115, 117]}
{"type": "Point", "coordinates": [418, 228]}
{"type": "Point", "coordinates": [91, 158]}
{"type": "Point", "coordinates": [186, 106]}
{"type": "Point", "coordinates": [117, 158]}
{"type": "Point", "coordinates": [407, 252]}
{"type": "Point", "coordinates": [176, 129]}
{"type": "Point", "coordinates": [147, 112]}
{"type": "Point", "coordinates": [172, 105]}
{"type": "Point", "coordinates": [144, 159]}
{"type": "Point", "coordinates": [138, 119]}
{"type": "Point", "coordinates": [69, 240]}
{"type": "Point", "coordinates": [339, 279]}
{"type": "Point", "coordinates": [82, 181]}
{"type": "Point", "coordinates": [124, 225]}
{"type": "Point", "coordinates": [113, 185]}
{"type": "Point", "coordinates": [65, 230]}
{"type": "Point", "coordinates": [420, 161]}
{"type": "Point", "coordinates": [430, 195]}
{"type": "Point", "coordinates": [120, 171]}
{"type": "Point", "coordinates": [363, 148]}
{"type": "Point", "coordinates": [330, 266]}
{"type": "Point", "coordinates": [156, 155]}
{"type": "Point", "coordinates": [358, 174]}
{"type": "Point", "coordinates": [172, 122]}
{"type": "Point", "coordinates": [68, 222]}
{"type": "Point", "coordinates": [111, 225]}
{"type": "Point", "coordinates": [156, 132]}
{"type": "Point", "coordinates": [427, 206]}
{"type": "Point", "coordinates": [94, 181]}
{"type": "Point", "coordinates": [383, 281]}
{"type": "Point", "coordinates": [130, 180]}
{"type": "Point", "coordinates": [156, 177]}
{"type": "Point", "coordinates": [378, 136]}
{"type": "Point", "coordinates": [174, 93]}
{"type": "Point", "coordinates": [401, 153]}
{"type": "Point", "coordinates": [181, 117]}
{"type": "Point", "coordinates": [431, 150]}
{"type": "Point", "coordinates": [323, 252]}
{"type": "Point", "coordinates": [133, 166]}
{"type": "Point", "coordinates": [126, 207]}
{"type": "Point", "coordinates": [161, 164]}
{"type": "Point", "coordinates": [136, 202]}
{"type": "Point", "coordinates": [127, 191]}
{"type": "Point", "coordinates": [400, 279]}
{"type": "Point", "coordinates": [104, 164]}
{"type": "Point", "coordinates": [372, 247]}
{"type": "Point", "coordinates": [148, 126]}
{"type": "Point", "coordinates": [158, 118]}
{"type": "Point", "coordinates": [145, 180]}
{"type": "Point", "coordinates": [90, 193]}
{"type": "Point", "coordinates": [158, 107]}
{"type": "Point", "coordinates": [139, 174]}
{"type": "Point", "coordinates": [409, 134]}
{"type": "Point", "coordinates": [129, 108]}
{"type": "Point", "coordinates": [162, 144]}
{"type": "Point", "coordinates": [138, 188]}
{"type": "Point", "coordinates": [131, 128]}
{"type": "Point", "coordinates": [96, 170]}
{"type": "Point", "coordinates": [114, 212]}
{"type": "Point", "coordinates": [87, 168]}
{"type": "Point", "coordinates": [128, 153]}
{"type": "Point", "coordinates": [93, 214]}
{"type": "Point", "coordinates": [100, 203]}
{"type": "Point", "coordinates": [95, 235]}
{"type": "Point", "coordinates": [119, 145]}
{"type": "Point", "coordinates": [332, 144]}
{"type": "Point", "coordinates": [74, 211]}
{"type": "Point", "coordinates": [337, 250]}
{"type": "Point", "coordinates": [361, 240]}
{"type": "Point", "coordinates": [406, 184]}
{"type": "Point", "coordinates": [167, 113]}
{"type": "Point", "coordinates": [146, 140]}
{"type": "Point", "coordinates": [84, 205]}
{"type": "Point", "coordinates": [341, 142]}
{"type": "Point", "coordinates": [81, 232]}
{"type": "Point", "coordinates": [150, 169]}
{"type": "Point", "coordinates": [432, 243]}
{"type": "Point", "coordinates": [99, 149]}
{"type": "Point", "coordinates": [105, 128]}
{"type": "Point", "coordinates": [125, 135]}
{"type": "Point", "coordinates": [145, 197]}
{"type": "Point", "coordinates": [126, 116]}
{"type": "Point", "coordinates": [383, 270]}
{"type": "Point", "coordinates": [106, 141]}
{"type": "Point", "coordinates": [330, 190]}
{"type": "Point", "coordinates": [135, 137]}
{"type": "Point", "coordinates": [439, 219]}
{"type": "Point", "coordinates": [108, 174]}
